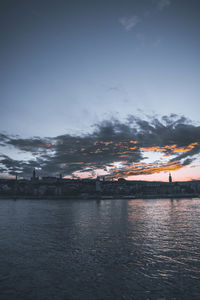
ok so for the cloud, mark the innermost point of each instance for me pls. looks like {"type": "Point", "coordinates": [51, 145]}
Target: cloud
{"type": "Point", "coordinates": [115, 146]}
{"type": "Point", "coordinates": [162, 4]}
{"type": "Point", "coordinates": [14, 167]}
{"type": "Point", "coordinates": [3, 139]}
{"type": "Point", "coordinates": [145, 169]}
{"type": "Point", "coordinates": [34, 144]}
{"type": "Point", "coordinates": [129, 23]}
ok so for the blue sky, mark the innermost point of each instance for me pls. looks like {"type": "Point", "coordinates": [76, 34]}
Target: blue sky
{"type": "Point", "coordinates": [67, 65]}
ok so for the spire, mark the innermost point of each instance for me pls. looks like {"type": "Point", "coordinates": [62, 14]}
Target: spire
{"type": "Point", "coordinates": [33, 178]}
{"type": "Point", "coordinates": [34, 173]}
{"type": "Point", "coordinates": [170, 177]}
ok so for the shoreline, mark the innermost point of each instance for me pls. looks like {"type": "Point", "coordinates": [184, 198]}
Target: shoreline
{"type": "Point", "coordinates": [98, 197]}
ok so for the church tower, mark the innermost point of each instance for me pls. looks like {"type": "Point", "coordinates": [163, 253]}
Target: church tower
{"type": "Point", "coordinates": [170, 177]}
{"type": "Point", "coordinates": [34, 176]}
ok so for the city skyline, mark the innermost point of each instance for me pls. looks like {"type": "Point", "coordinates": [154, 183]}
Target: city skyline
{"type": "Point", "coordinates": [100, 88]}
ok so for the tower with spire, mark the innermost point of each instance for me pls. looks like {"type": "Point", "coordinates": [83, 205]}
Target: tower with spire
{"type": "Point", "coordinates": [170, 177]}
{"type": "Point", "coordinates": [33, 178]}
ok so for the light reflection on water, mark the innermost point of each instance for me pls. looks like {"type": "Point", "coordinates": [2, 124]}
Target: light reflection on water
{"type": "Point", "coordinates": [110, 249]}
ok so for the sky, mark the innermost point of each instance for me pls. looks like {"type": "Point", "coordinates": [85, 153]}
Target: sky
{"type": "Point", "coordinates": [93, 88]}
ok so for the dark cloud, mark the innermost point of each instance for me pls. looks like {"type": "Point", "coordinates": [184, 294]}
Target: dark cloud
{"type": "Point", "coordinates": [3, 139]}
{"type": "Point", "coordinates": [167, 131]}
{"type": "Point", "coordinates": [187, 161]}
{"type": "Point", "coordinates": [191, 153]}
{"type": "Point", "coordinates": [14, 167]}
{"type": "Point", "coordinates": [111, 141]}
{"type": "Point", "coordinates": [34, 144]}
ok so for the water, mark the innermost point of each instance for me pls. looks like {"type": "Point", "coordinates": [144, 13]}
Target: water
{"type": "Point", "coordinates": [110, 249]}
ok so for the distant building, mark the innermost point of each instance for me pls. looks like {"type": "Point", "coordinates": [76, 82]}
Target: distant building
{"type": "Point", "coordinates": [98, 186]}
{"type": "Point", "coordinates": [49, 179]}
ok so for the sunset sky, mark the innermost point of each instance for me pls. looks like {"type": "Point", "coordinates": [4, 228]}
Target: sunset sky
{"type": "Point", "coordinates": [93, 88]}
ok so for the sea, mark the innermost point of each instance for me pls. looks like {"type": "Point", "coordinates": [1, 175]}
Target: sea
{"type": "Point", "coordinates": [99, 249]}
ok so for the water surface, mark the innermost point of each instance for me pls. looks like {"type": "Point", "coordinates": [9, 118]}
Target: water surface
{"type": "Point", "coordinates": [110, 249]}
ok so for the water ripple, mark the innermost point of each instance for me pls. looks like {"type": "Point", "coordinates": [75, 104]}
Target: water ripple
{"type": "Point", "coordinates": [121, 249]}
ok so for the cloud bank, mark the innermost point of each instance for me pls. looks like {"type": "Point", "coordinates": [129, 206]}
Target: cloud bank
{"type": "Point", "coordinates": [115, 147]}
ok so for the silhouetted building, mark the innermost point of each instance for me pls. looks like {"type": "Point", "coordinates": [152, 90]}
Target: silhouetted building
{"type": "Point", "coordinates": [98, 186]}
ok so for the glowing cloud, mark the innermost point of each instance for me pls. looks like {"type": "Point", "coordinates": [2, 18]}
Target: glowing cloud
{"type": "Point", "coordinates": [114, 148]}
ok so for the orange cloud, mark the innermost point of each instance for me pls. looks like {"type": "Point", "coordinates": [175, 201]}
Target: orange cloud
{"type": "Point", "coordinates": [146, 169]}
{"type": "Point", "coordinates": [173, 148]}
{"type": "Point", "coordinates": [48, 145]}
